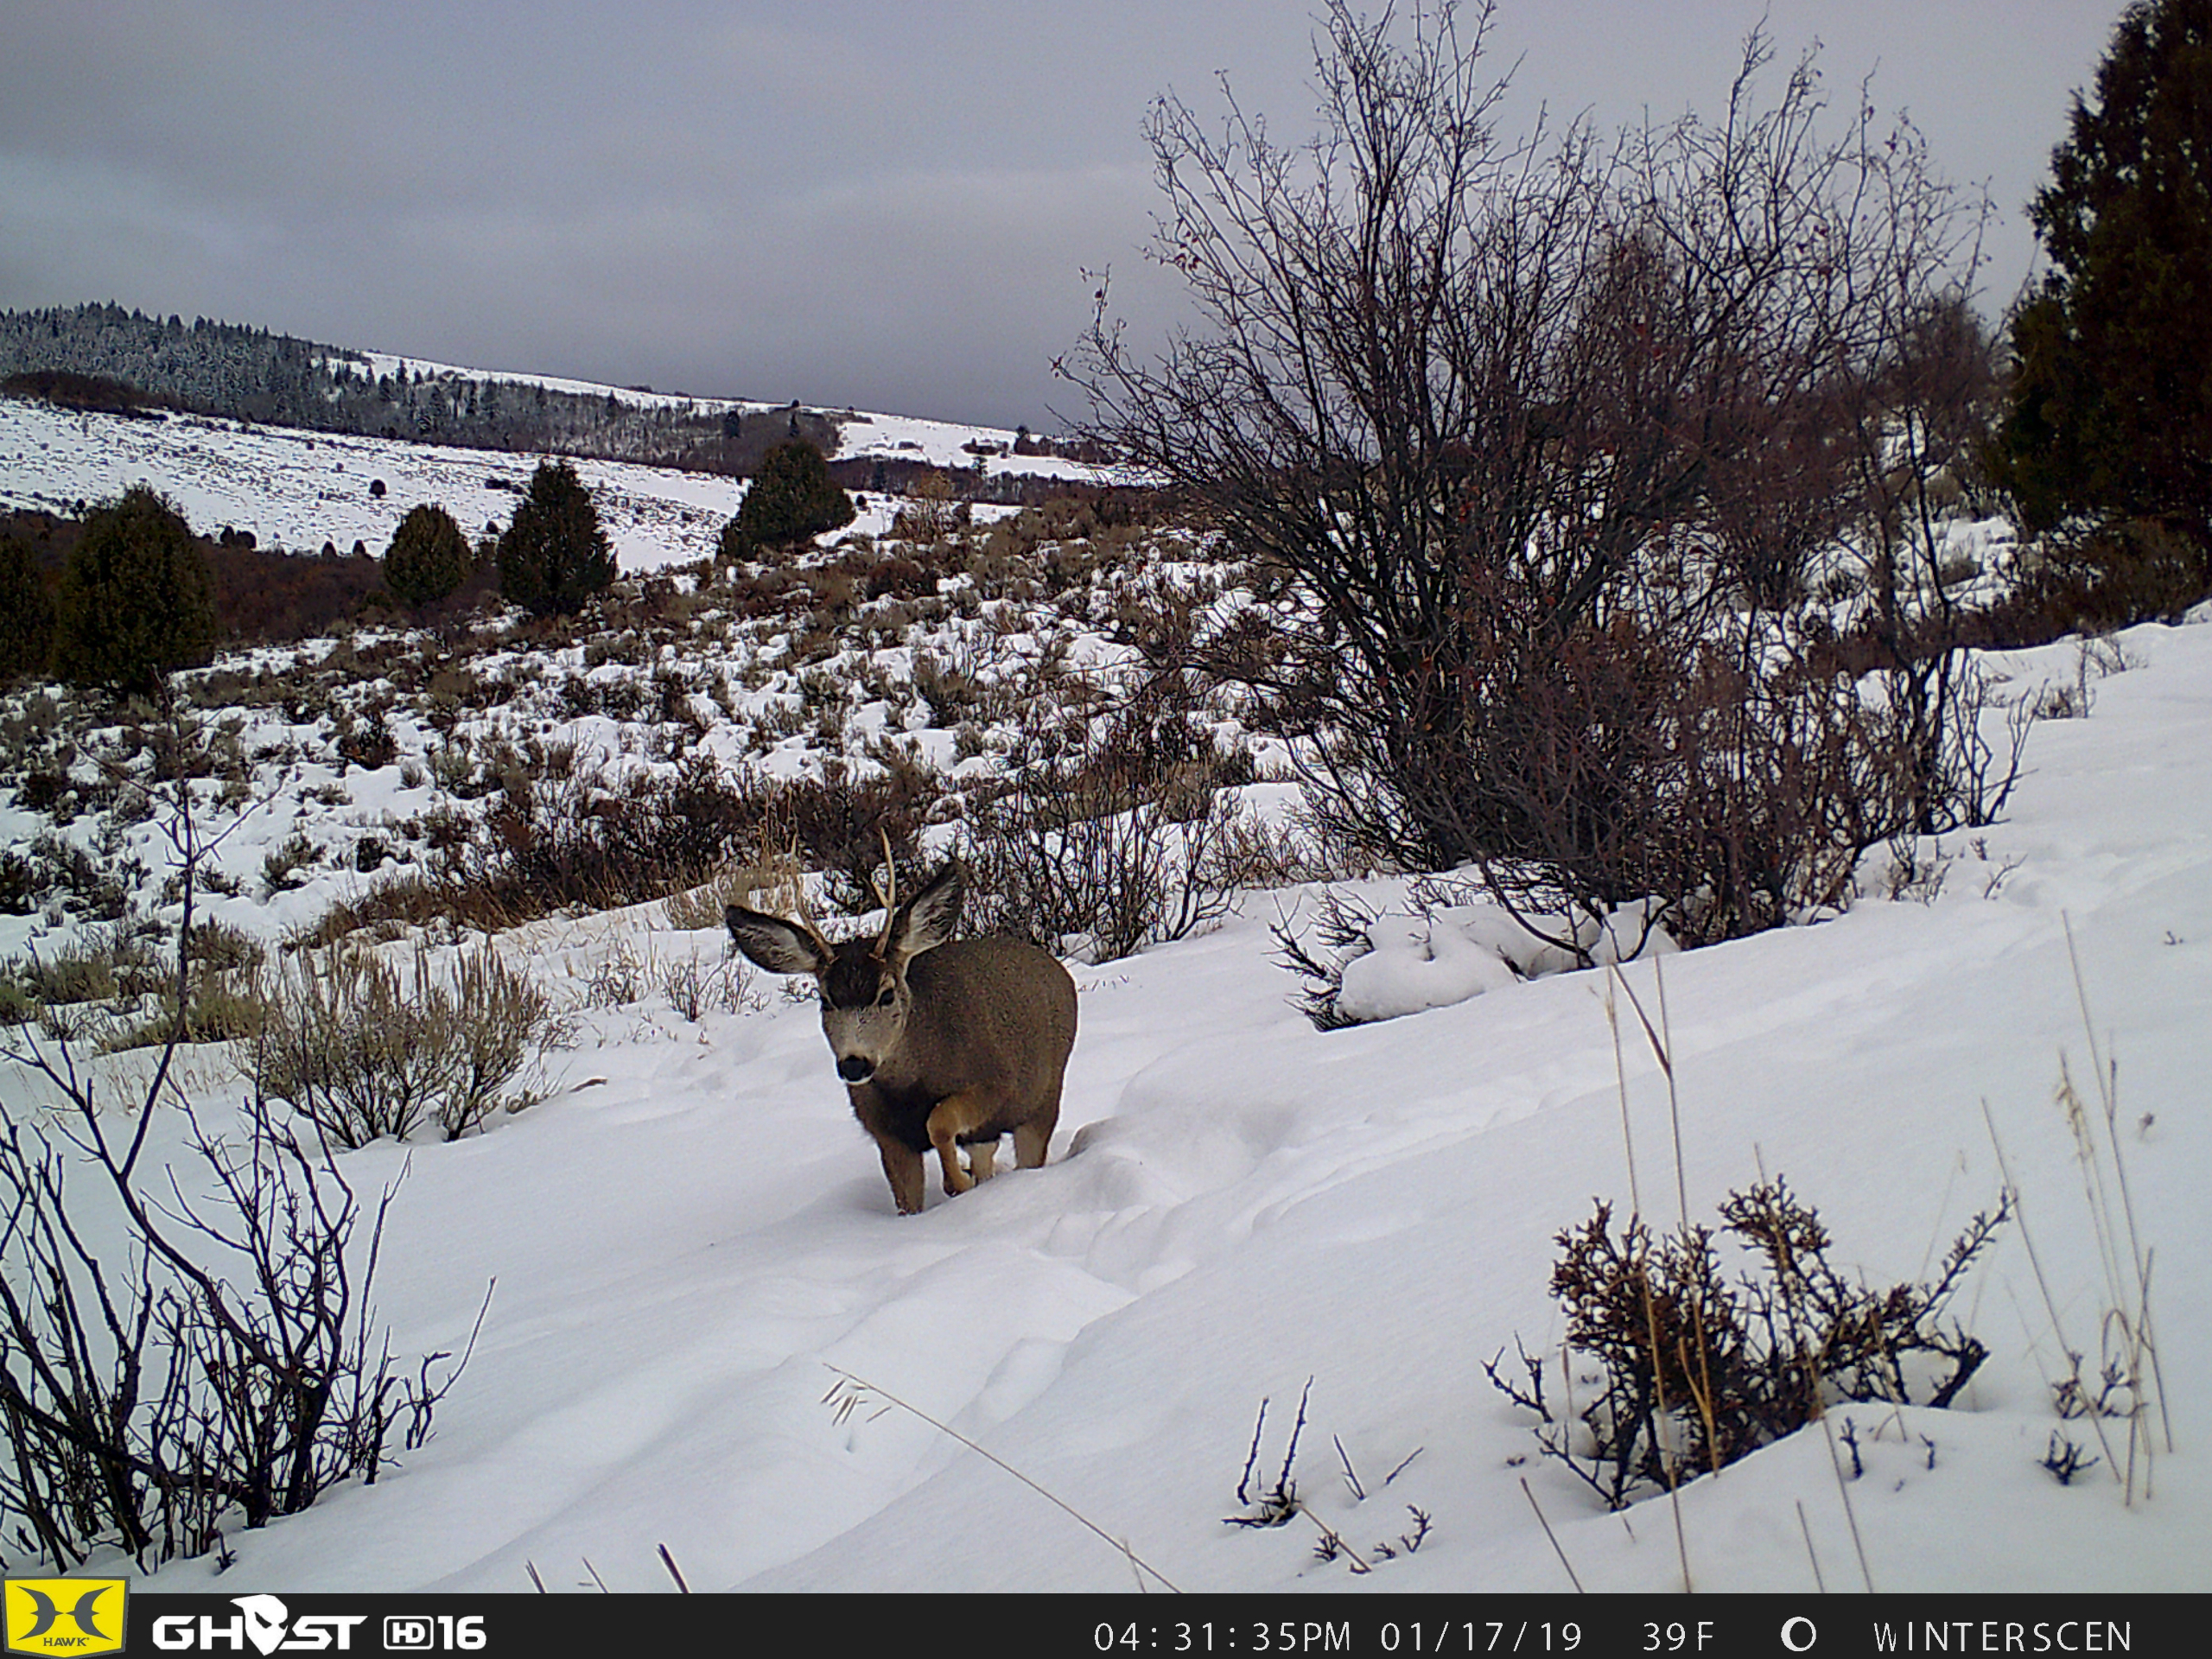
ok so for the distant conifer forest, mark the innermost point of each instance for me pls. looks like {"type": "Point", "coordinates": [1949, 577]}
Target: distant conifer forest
{"type": "Point", "coordinates": [102, 357]}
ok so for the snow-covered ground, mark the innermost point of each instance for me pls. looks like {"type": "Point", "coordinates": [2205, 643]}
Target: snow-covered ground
{"type": "Point", "coordinates": [691, 1241]}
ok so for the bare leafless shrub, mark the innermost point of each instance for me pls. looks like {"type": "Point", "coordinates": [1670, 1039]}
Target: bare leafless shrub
{"type": "Point", "coordinates": [1342, 934]}
{"type": "Point", "coordinates": [1267, 1507]}
{"type": "Point", "coordinates": [2092, 579]}
{"type": "Point", "coordinates": [842, 819]}
{"type": "Point", "coordinates": [1915, 428]}
{"type": "Point", "coordinates": [1114, 834]}
{"type": "Point", "coordinates": [930, 513]}
{"type": "Point", "coordinates": [1694, 1371]}
{"type": "Point", "coordinates": [617, 979]}
{"type": "Point", "coordinates": [222, 1363]}
{"type": "Point", "coordinates": [362, 1050]}
{"type": "Point", "coordinates": [695, 987]}
{"type": "Point", "coordinates": [586, 839]}
{"type": "Point", "coordinates": [685, 984]}
{"type": "Point", "coordinates": [226, 1370]}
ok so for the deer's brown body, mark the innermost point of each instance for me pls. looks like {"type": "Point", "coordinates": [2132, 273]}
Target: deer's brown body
{"type": "Point", "coordinates": [941, 1045]}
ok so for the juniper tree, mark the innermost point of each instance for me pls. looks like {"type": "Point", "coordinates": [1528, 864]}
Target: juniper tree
{"type": "Point", "coordinates": [136, 599]}
{"type": "Point", "coordinates": [428, 556]}
{"type": "Point", "coordinates": [26, 612]}
{"type": "Point", "coordinates": [792, 498]}
{"type": "Point", "coordinates": [555, 556]}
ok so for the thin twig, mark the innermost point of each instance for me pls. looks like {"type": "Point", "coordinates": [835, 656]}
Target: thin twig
{"type": "Point", "coordinates": [1352, 1475]}
{"type": "Point", "coordinates": [1620, 1077]}
{"type": "Point", "coordinates": [1811, 1555]}
{"type": "Point", "coordinates": [1252, 1455]}
{"type": "Point", "coordinates": [1554, 1536]}
{"type": "Point", "coordinates": [674, 1572]}
{"type": "Point", "coordinates": [1843, 1491]}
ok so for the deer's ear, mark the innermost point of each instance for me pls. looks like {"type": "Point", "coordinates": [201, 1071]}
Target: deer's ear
{"type": "Point", "coordinates": [773, 943]}
{"type": "Point", "coordinates": [928, 919]}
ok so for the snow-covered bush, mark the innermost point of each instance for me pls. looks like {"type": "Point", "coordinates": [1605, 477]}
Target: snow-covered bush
{"type": "Point", "coordinates": [1695, 1371]}
{"type": "Point", "coordinates": [1448, 944]}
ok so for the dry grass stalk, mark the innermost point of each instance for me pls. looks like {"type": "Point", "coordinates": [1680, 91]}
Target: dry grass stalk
{"type": "Point", "coordinates": [851, 1393]}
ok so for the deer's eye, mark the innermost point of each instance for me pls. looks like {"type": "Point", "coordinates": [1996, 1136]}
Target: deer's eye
{"type": "Point", "coordinates": [890, 995]}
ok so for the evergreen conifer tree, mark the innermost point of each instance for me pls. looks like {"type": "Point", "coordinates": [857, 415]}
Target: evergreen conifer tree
{"type": "Point", "coordinates": [137, 598]}
{"type": "Point", "coordinates": [555, 556]}
{"type": "Point", "coordinates": [2112, 407]}
{"type": "Point", "coordinates": [792, 498]}
{"type": "Point", "coordinates": [428, 557]}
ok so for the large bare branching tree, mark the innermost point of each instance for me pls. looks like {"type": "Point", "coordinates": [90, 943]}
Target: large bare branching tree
{"type": "Point", "coordinates": [1543, 433]}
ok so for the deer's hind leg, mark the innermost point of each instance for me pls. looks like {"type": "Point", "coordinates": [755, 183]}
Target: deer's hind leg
{"type": "Point", "coordinates": [1034, 1139]}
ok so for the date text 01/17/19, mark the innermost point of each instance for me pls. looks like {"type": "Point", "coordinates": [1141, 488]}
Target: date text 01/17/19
{"type": "Point", "coordinates": [1295, 1637]}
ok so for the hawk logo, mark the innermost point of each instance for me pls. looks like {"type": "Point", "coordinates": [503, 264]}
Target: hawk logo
{"type": "Point", "coordinates": [64, 1614]}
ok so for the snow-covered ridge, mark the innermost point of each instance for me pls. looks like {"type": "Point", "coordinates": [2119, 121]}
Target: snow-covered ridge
{"type": "Point", "coordinates": [298, 490]}
{"type": "Point", "coordinates": [862, 433]}
{"type": "Point", "coordinates": [380, 364]}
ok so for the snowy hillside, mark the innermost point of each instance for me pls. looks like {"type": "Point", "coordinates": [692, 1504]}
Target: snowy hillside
{"type": "Point", "coordinates": [689, 1240]}
{"type": "Point", "coordinates": [297, 490]}
{"type": "Point", "coordinates": [890, 437]}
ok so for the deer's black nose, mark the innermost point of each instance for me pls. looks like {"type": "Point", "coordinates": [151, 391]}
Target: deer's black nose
{"type": "Point", "coordinates": [855, 1068]}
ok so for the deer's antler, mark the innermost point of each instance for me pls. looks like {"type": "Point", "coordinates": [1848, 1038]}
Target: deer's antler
{"type": "Point", "coordinates": [887, 894]}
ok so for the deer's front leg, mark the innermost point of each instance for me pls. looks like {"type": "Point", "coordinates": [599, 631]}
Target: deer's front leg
{"type": "Point", "coordinates": [950, 1118]}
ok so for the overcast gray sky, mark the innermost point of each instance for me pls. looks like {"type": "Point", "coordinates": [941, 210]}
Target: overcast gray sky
{"type": "Point", "coordinates": [887, 205]}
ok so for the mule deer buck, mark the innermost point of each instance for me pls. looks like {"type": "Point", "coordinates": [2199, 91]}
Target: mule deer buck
{"type": "Point", "coordinates": [940, 1044]}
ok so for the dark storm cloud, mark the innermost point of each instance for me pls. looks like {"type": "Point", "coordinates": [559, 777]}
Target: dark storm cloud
{"type": "Point", "coordinates": [888, 205]}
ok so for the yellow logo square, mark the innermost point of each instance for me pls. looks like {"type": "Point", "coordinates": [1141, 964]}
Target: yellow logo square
{"type": "Point", "coordinates": [57, 1616]}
